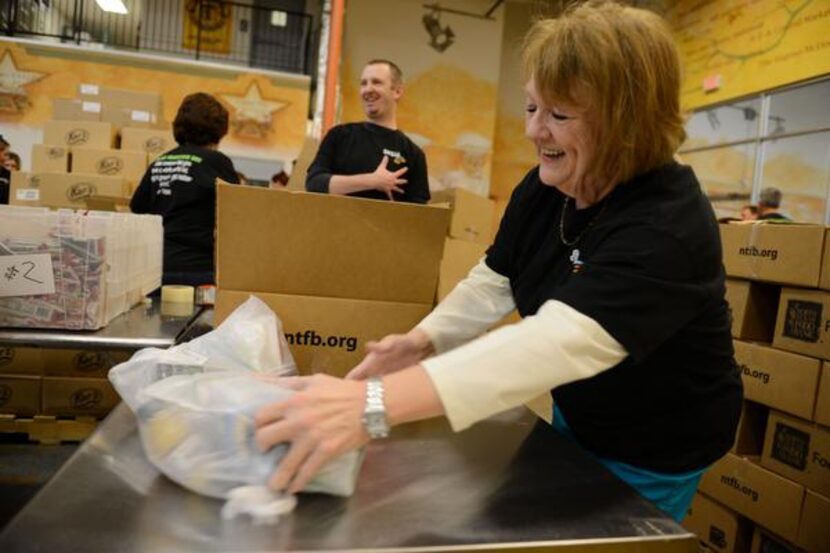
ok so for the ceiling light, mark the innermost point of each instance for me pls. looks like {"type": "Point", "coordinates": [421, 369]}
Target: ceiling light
{"type": "Point", "coordinates": [113, 6]}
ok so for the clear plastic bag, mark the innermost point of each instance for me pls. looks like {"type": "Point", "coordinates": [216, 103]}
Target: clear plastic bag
{"type": "Point", "coordinates": [195, 404]}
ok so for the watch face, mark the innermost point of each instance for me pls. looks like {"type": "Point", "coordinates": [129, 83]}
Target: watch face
{"type": "Point", "coordinates": [375, 423]}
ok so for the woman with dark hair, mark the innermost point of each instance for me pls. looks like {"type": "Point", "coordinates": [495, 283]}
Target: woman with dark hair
{"type": "Point", "coordinates": [180, 185]}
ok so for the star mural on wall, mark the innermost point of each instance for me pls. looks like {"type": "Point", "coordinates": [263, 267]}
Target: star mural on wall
{"type": "Point", "coordinates": [13, 97]}
{"type": "Point", "coordinates": [253, 116]}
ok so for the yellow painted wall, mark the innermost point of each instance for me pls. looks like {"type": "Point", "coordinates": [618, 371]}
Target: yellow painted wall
{"type": "Point", "coordinates": [268, 110]}
{"type": "Point", "coordinates": [753, 45]}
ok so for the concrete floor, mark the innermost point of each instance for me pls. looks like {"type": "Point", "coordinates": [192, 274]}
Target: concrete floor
{"type": "Point", "coordinates": [24, 469]}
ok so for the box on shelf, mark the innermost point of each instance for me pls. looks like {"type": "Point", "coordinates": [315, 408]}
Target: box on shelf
{"type": "Point", "coordinates": [765, 542]}
{"type": "Point", "coordinates": [63, 189]}
{"type": "Point", "coordinates": [720, 528]}
{"type": "Point", "coordinates": [90, 134]}
{"type": "Point", "coordinates": [333, 246]}
{"type": "Point", "coordinates": [753, 306]}
{"type": "Point", "coordinates": [66, 397]}
{"type": "Point", "coordinates": [472, 215]}
{"type": "Point", "coordinates": [81, 363]}
{"type": "Point", "coordinates": [153, 142]}
{"type": "Point", "coordinates": [19, 395]}
{"type": "Point", "coordinates": [814, 530]}
{"type": "Point", "coordinates": [51, 159]}
{"type": "Point", "coordinates": [786, 254]}
{"type": "Point", "coordinates": [822, 413]}
{"type": "Point", "coordinates": [459, 258]}
{"type": "Point", "coordinates": [762, 496]}
{"type": "Point", "coordinates": [66, 109]}
{"type": "Point", "coordinates": [803, 322]}
{"type": "Point", "coordinates": [17, 360]}
{"type": "Point", "coordinates": [127, 164]}
{"type": "Point", "coordinates": [779, 379]}
{"type": "Point", "coordinates": [798, 450]}
{"type": "Point", "coordinates": [329, 334]}
{"type": "Point", "coordinates": [824, 280]}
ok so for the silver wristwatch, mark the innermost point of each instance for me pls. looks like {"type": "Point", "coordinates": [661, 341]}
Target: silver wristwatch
{"type": "Point", "coordinates": [374, 414]}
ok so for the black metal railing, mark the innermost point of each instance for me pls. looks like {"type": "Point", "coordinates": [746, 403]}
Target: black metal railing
{"type": "Point", "coordinates": [254, 34]}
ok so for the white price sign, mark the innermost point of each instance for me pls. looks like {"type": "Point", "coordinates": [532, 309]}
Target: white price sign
{"type": "Point", "coordinates": [26, 275]}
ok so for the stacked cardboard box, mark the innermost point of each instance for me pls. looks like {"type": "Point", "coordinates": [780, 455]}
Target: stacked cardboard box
{"type": "Point", "coordinates": [78, 159]}
{"type": "Point", "coordinates": [469, 235]}
{"type": "Point", "coordinates": [337, 271]}
{"type": "Point", "coordinates": [75, 270]}
{"type": "Point", "coordinates": [57, 382]}
{"type": "Point", "coordinates": [778, 473]}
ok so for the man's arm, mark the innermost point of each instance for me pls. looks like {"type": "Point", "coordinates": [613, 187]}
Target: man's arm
{"type": "Point", "coordinates": [418, 187]}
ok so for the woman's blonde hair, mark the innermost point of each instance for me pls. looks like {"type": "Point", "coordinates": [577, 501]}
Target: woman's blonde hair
{"type": "Point", "coordinates": [621, 63]}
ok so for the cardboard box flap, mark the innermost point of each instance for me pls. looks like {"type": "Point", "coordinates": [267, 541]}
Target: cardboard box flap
{"type": "Point", "coordinates": [322, 245]}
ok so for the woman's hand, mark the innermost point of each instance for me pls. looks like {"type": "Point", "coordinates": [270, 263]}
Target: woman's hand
{"type": "Point", "coordinates": [393, 353]}
{"type": "Point", "coordinates": [321, 421]}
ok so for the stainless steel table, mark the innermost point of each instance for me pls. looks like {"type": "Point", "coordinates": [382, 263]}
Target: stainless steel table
{"type": "Point", "coordinates": [507, 484]}
{"type": "Point", "coordinates": [143, 326]}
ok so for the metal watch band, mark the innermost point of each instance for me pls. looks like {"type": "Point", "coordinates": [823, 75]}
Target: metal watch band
{"type": "Point", "coordinates": [374, 414]}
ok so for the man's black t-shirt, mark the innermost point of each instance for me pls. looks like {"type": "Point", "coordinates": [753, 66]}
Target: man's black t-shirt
{"type": "Point", "coordinates": [181, 187]}
{"type": "Point", "coordinates": [355, 148]}
{"type": "Point", "coordinates": [649, 271]}
{"type": "Point", "coordinates": [5, 179]}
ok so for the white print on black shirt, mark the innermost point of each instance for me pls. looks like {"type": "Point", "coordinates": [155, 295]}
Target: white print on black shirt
{"type": "Point", "coordinates": [396, 156]}
{"type": "Point", "coordinates": [171, 169]}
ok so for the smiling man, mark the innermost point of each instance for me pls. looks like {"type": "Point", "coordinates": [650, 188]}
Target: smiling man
{"type": "Point", "coordinates": [372, 159]}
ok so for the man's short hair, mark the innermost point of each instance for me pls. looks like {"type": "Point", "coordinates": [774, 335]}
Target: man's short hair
{"type": "Point", "coordinates": [200, 121]}
{"type": "Point", "coordinates": [770, 197]}
{"type": "Point", "coordinates": [397, 74]}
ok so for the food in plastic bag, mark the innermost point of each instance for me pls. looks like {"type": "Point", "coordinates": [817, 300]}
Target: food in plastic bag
{"type": "Point", "coordinates": [195, 405]}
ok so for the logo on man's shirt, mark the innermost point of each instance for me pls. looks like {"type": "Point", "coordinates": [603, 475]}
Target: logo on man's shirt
{"type": "Point", "coordinates": [395, 156]}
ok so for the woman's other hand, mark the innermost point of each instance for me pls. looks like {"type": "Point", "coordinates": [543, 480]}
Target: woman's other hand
{"type": "Point", "coordinates": [393, 353]}
{"type": "Point", "coordinates": [321, 421]}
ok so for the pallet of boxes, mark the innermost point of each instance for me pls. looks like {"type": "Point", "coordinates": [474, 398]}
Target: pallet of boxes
{"type": "Point", "coordinates": [337, 271]}
{"type": "Point", "coordinates": [772, 491]}
{"type": "Point", "coordinates": [85, 267]}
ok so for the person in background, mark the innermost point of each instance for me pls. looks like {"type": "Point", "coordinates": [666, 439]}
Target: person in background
{"type": "Point", "coordinates": [279, 180]}
{"type": "Point", "coordinates": [372, 159]}
{"type": "Point", "coordinates": [5, 174]}
{"type": "Point", "coordinates": [749, 213]}
{"type": "Point", "coordinates": [12, 162]}
{"type": "Point", "coordinates": [769, 203]}
{"type": "Point", "coordinates": [180, 185]}
{"type": "Point", "coordinates": [242, 179]}
{"type": "Point", "coordinates": [610, 252]}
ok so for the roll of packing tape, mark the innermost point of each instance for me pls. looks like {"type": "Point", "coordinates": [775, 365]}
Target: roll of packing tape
{"type": "Point", "coordinates": [174, 293]}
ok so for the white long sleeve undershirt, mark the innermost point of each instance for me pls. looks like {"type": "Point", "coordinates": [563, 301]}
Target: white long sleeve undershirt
{"type": "Point", "coordinates": [513, 364]}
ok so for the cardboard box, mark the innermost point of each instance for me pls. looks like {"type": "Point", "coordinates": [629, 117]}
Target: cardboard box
{"type": "Point", "coordinates": [19, 395]}
{"type": "Point", "coordinates": [53, 159]}
{"type": "Point", "coordinates": [472, 215]}
{"type": "Point", "coordinates": [824, 280]}
{"type": "Point", "coordinates": [128, 164]}
{"type": "Point", "coordinates": [329, 335]}
{"type": "Point", "coordinates": [459, 257]}
{"type": "Point", "coordinates": [81, 363]}
{"type": "Point", "coordinates": [822, 413]}
{"type": "Point", "coordinates": [78, 396]}
{"type": "Point", "coordinates": [778, 379]}
{"type": "Point", "coordinates": [765, 542]}
{"type": "Point", "coordinates": [62, 189]}
{"type": "Point", "coordinates": [90, 134]}
{"type": "Point", "coordinates": [153, 142]}
{"type": "Point", "coordinates": [131, 99]}
{"type": "Point", "coordinates": [814, 530]}
{"type": "Point", "coordinates": [121, 117]}
{"type": "Point", "coordinates": [720, 528]}
{"type": "Point", "coordinates": [798, 450]}
{"type": "Point", "coordinates": [15, 360]}
{"type": "Point", "coordinates": [64, 109]}
{"type": "Point", "coordinates": [786, 254]}
{"type": "Point", "coordinates": [762, 496]}
{"type": "Point", "coordinates": [753, 306]}
{"type": "Point", "coordinates": [803, 322]}
{"type": "Point", "coordinates": [749, 437]}
{"type": "Point", "coordinates": [321, 245]}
